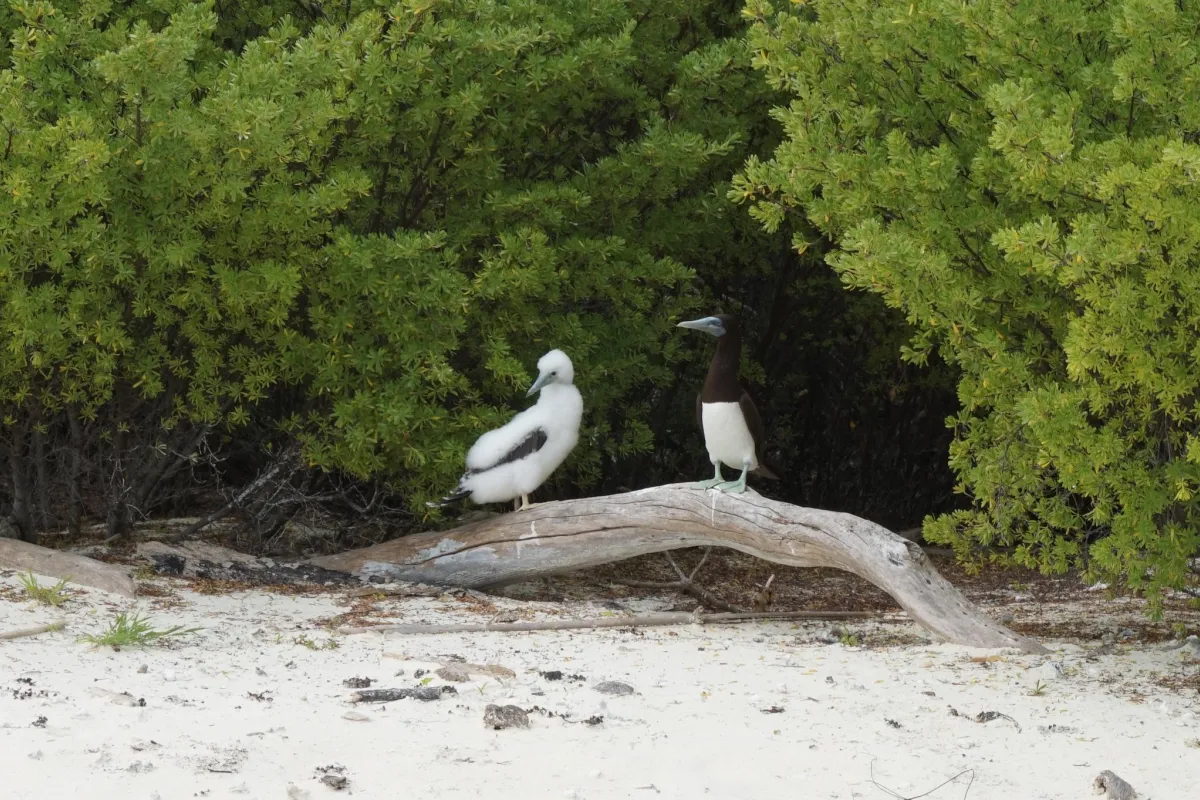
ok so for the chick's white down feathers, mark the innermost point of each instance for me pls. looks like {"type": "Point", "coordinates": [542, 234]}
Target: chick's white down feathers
{"type": "Point", "coordinates": [494, 475]}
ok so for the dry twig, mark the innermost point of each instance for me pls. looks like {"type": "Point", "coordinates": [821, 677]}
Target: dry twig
{"type": "Point", "coordinates": [686, 583]}
{"type": "Point", "coordinates": [34, 631]}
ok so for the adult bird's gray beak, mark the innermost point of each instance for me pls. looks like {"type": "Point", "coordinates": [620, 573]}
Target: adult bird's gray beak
{"type": "Point", "coordinates": [541, 381]}
{"type": "Point", "coordinates": [707, 324]}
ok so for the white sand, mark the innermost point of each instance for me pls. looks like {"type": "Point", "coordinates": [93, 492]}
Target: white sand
{"type": "Point", "coordinates": [695, 727]}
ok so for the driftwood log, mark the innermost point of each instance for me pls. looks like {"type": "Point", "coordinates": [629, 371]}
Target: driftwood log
{"type": "Point", "coordinates": [568, 535]}
{"type": "Point", "coordinates": [72, 567]}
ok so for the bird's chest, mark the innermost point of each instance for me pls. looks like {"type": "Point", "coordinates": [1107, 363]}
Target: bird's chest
{"type": "Point", "coordinates": [726, 434]}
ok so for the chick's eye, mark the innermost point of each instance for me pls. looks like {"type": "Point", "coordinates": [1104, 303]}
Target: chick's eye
{"type": "Point", "coordinates": [553, 372]}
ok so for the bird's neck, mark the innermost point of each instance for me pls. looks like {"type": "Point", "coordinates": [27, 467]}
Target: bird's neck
{"type": "Point", "coordinates": [556, 393]}
{"type": "Point", "coordinates": [722, 380]}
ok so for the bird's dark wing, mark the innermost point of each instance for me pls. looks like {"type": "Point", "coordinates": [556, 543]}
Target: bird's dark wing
{"type": "Point", "coordinates": [754, 423]}
{"type": "Point", "coordinates": [533, 441]}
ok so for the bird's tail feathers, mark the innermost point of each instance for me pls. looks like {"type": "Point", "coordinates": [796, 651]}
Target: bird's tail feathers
{"type": "Point", "coordinates": [449, 499]}
{"type": "Point", "coordinates": [770, 472]}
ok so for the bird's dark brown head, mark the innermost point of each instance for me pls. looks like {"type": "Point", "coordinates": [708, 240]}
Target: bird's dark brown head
{"type": "Point", "coordinates": [717, 325]}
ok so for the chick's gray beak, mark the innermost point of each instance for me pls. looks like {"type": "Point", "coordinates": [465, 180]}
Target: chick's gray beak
{"type": "Point", "coordinates": [541, 381]}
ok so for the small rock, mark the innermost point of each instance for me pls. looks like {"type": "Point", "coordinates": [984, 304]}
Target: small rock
{"type": "Point", "coordinates": [1127, 634]}
{"type": "Point", "coordinates": [454, 674]}
{"type": "Point", "coordinates": [616, 688]}
{"type": "Point", "coordinates": [1005, 618]}
{"type": "Point", "coordinates": [333, 776]}
{"type": "Point", "coordinates": [552, 675]}
{"type": "Point", "coordinates": [335, 782]}
{"type": "Point", "coordinates": [1191, 647]}
{"type": "Point", "coordinates": [501, 717]}
{"type": "Point", "coordinates": [357, 683]}
{"type": "Point", "coordinates": [143, 669]}
{"type": "Point", "coordinates": [168, 675]}
{"type": "Point", "coordinates": [355, 716]}
{"type": "Point", "coordinates": [1112, 787]}
{"type": "Point", "coordinates": [1047, 671]}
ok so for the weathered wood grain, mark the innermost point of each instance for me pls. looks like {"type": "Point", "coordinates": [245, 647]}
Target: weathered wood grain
{"type": "Point", "coordinates": [562, 536]}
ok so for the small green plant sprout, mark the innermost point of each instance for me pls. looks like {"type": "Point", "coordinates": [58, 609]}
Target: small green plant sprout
{"type": "Point", "coordinates": [134, 631]}
{"type": "Point", "coordinates": [328, 644]}
{"type": "Point", "coordinates": [849, 639]}
{"type": "Point", "coordinates": [54, 595]}
{"type": "Point", "coordinates": [1038, 689]}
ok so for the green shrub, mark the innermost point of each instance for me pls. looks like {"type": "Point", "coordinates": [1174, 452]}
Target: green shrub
{"type": "Point", "coordinates": [1021, 181]}
{"type": "Point", "coordinates": [226, 227]}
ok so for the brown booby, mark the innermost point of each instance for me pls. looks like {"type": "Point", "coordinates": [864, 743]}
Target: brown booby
{"type": "Point", "coordinates": [513, 460]}
{"type": "Point", "coordinates": [733, 430]}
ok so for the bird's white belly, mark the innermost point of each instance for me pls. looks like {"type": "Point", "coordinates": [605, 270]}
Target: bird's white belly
{"type": "Point", "coordinates": [726, 436]}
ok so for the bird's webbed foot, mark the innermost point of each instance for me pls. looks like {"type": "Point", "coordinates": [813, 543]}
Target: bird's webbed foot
{"type": "Point", "coordinates": [711, 482]}
{"type": "Point", "coordinates": [734, 487]}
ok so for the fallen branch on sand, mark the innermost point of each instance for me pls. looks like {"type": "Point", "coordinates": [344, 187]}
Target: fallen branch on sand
{"type": "Point", "coordinates": [563, 536]}
{"type": "Point", "coordinates": [610, 622]}
{"type": "Point", "coordinates": [425, 693]}
{"type": "Point", "coordinates": [81, 570]}
{"type": "Point", "coordinates": [34, 631]}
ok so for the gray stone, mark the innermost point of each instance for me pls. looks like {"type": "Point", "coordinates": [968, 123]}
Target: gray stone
{"type": "Point", "coordinates": [616, 688]}
{"type": "Point", "coordinates": [454, 673]}
{"type": "Point", "coordinates": [1046, 672]}
{"type": "Point", "coordinates": [501, 717]}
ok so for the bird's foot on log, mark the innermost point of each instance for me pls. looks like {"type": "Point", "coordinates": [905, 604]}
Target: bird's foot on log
{"type": "Point", "coordinates": [711, 482]}
{"type": "Point", "coordinates": [734, 487]}
{"type": "Point", "coordinates": [523, 503]}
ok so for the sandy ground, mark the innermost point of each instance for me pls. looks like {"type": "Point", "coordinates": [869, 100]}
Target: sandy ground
{"type": "Point", "coordinates": [255, 705]}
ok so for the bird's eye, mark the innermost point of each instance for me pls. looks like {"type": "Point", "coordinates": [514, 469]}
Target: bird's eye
{"type": "Point", "coordinates": [553, 373]}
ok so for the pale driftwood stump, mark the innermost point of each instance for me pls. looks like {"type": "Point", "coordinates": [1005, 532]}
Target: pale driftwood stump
{"type": "Point", "coordinates": [562, 536]}
{"type": "Point", "coordinates": [73, 567]}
